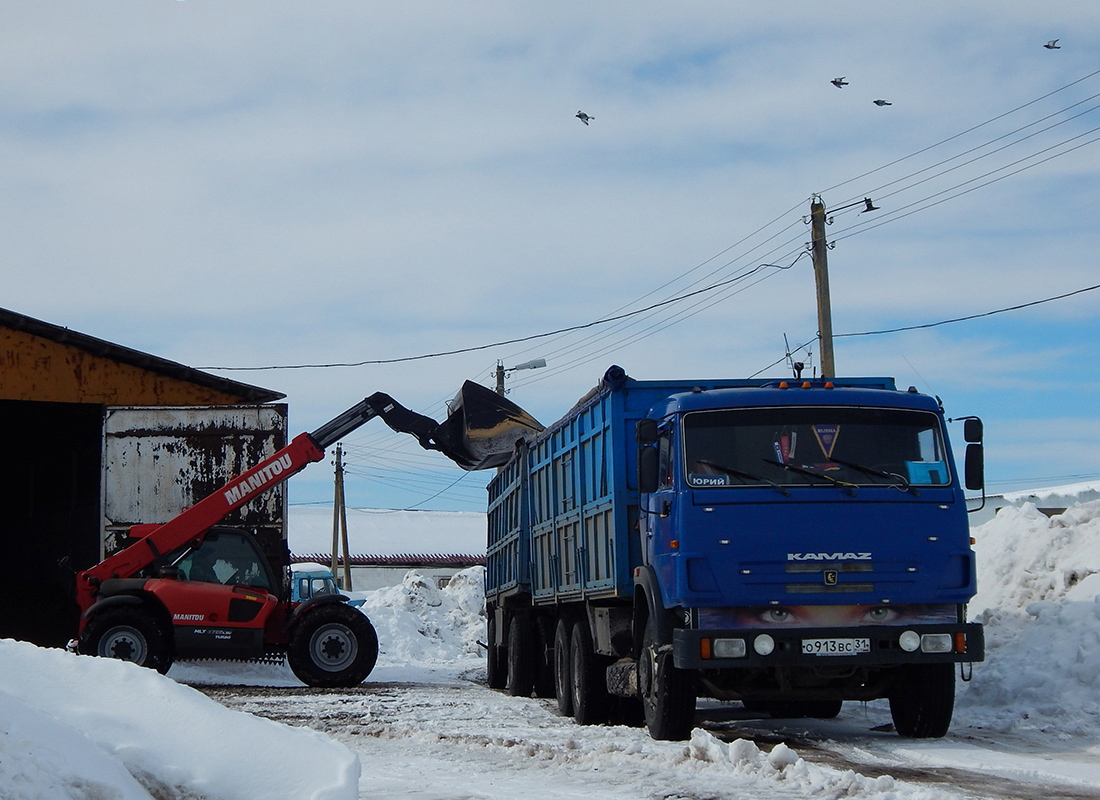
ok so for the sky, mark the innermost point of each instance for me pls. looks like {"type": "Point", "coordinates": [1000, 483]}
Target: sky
{"type": "Point", "coordinates": [425, 725]}
{"type": "Point", "coordinates": [245, 185]}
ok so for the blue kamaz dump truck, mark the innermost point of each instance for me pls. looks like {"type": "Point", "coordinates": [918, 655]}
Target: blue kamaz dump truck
{"type": "Point", "coordinates": [787, 544]}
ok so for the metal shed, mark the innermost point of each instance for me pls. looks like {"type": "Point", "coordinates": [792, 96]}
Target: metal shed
{"type": "Point", "coordinates": [98, 436]}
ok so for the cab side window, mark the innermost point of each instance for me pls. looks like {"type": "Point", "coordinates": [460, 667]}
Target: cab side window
{"type": "Point", "coordinates": [664, 447]}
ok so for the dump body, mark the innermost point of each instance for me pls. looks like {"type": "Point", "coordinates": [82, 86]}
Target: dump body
{"type": "Point", "coordinates": [786, 537]}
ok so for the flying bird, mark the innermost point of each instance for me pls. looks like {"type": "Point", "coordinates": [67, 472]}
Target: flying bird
{"type": "Point", "coordinates": [1053, 45]}
{"type": "Point", "coordinates": [583, 117]}
{"type": "Point", "coordinates": [839, 83]}
{"type": "Point", "coordinates": [882, 102]}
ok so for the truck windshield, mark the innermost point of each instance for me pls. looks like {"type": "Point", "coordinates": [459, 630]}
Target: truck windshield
{"type": "Point", "coordinates": [821, 446]}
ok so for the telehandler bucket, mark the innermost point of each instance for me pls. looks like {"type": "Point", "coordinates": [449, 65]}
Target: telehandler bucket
{"type": "Point", "coordinates": [483, 428]}
{"type": "Point", "coordinates": [481, 431]}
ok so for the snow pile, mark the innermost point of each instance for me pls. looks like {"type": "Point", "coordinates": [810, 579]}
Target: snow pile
{"type": "Point", "coordinates": [1039, 599]}
{"type": "Point", "coordinates": [78, 726]}
{"type": "Point", "coordinates": [418, 623]}
{"type": "Point", "coordinates": [784, 766]}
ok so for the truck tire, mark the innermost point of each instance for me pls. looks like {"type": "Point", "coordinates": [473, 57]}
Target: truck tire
{"type": "Point", "coordinates": [496, 669]}
{"type": "Point", "coordinates": [129, 634]}
{"type": "Point", "coordinates": [333, 645]}
{"type": "Point", "coordinates": [521, 656]}
{"type": "Point", "coordinates": [588, 681]}
{"type": "Point", "coordinates": [544, 657]}
{"type": "Point", "coordinates": [563, 680]}
{"type": "Point", "coordinates": [668, 693]}
{"type": "Point", "coordinates": [922, 700]}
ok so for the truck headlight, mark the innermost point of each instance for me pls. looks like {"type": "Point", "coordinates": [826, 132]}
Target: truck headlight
{"type": "Point", "coordinates": [935, 643]}
{"type": "Point", "coordinates": [909, 641]}
{"type": "Point", "coordinates": [729, 648]}
{"type": "Point", "coordinates": [763, 644]}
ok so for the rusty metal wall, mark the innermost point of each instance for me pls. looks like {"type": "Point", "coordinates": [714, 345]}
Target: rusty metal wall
{"type": "Point", "coordinates": [160, 460]}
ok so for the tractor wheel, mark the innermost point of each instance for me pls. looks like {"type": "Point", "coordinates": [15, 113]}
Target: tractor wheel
{"type": "Point", "coordinates": [128, 634]}
{"type": "Point", "coordinates": [333, 645]}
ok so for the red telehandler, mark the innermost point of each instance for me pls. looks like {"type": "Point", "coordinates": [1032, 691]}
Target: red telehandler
{"type": "Point", "coordinates": [189, 589]}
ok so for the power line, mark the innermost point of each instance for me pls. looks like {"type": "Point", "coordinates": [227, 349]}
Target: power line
{"type": "Point", "coordinates": [972, 316]}
{"type": "Point", "coordinates": [532, 337]}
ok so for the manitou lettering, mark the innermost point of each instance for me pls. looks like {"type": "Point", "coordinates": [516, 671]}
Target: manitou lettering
{"type": "Point", "coordinates": [259, 480]}
{"type": "Point", "coordinates": [828, 556]}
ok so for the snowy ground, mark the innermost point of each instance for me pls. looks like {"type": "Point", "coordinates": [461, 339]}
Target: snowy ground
{"type": "Point", "coordinates": [425, 726]}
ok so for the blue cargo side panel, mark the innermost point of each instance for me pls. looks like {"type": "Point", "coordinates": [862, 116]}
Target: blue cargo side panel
{"type": "Point", "coordinates": [507, 552]}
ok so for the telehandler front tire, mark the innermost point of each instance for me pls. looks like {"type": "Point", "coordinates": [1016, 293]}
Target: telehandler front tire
{"type": "Point", "coordinates": [333, 646]}
{"type": "Point", "coordinates": [128, 634]}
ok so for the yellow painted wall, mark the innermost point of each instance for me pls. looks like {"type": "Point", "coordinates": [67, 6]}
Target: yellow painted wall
{"type": "Point", "coordinates": [37, 369]}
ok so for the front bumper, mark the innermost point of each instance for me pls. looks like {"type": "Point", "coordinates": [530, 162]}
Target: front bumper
{"type": "Point", "coordinates": [824, 647]}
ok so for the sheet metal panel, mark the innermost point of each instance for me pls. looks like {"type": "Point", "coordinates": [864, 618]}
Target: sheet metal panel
{"type": "Point", "coordinates": [160, 460]}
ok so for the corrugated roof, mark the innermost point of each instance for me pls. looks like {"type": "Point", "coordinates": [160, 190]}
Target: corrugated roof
{"type": "Point", "coordinates": [136, 358]}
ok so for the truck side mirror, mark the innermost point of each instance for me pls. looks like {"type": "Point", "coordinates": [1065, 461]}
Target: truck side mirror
{"type": "Point", "coordinates": [972, 430]}
{"type": "Point", "coordinates": [975, 465]}
{"type": "Point", "coordinates": [645, 431]}
{"type": "Point", "coordinates": [648, 469]}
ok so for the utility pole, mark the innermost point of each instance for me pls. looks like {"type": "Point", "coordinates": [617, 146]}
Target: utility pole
{"type": "Point", "coordinates": [340, 523]}
{"type": "Point", "coordinates": [821, 277]}
{"type": "Point", "coordinates": [501, 371]}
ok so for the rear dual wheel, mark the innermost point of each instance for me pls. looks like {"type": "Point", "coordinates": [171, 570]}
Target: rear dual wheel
{"type": "Point", "coordinates": [563, 678]}
{"type": "Point", "coordinates": [521, 657]}
{"type": "Point", "coordinates": [588, 682]}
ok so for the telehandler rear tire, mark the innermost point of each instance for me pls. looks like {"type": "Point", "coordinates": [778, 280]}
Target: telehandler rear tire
{"type": "Point", "coordinates": [333, 646]}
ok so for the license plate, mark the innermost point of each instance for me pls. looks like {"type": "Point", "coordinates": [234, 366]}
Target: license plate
{"type": "Point", "coordinates": [835, 647]}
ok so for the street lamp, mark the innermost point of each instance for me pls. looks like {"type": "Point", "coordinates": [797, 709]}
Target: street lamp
{"type": "Point", "coordinates": [501, 371]}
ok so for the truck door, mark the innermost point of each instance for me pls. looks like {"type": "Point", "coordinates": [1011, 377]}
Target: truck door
{"type": "Point", "coordinates": [160, 460]}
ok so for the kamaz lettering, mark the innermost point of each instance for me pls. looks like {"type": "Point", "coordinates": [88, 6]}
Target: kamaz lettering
{"type": "Point", "coordinates": [828, 556]}
{"type": "Point", "coordinates": [259, 480]}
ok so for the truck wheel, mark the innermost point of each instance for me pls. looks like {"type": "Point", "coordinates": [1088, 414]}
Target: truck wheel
{"type": "Point", "coordinates": [334, 645]}
{"type": "Point", "coordinates": [668, 693]}
{"type": "Point", "coordinates": [589, 684]}
{"type": "Point", "coordinates": [129, 635]}
{"type": "Point", "coordinates": [496, 670]}
{"type": "Point", "coordinates": [544, 657]}
{"type": "Point", "coordinates": [563, 680]}
{"type": "Point", "coordinates": [922, 700]}
{"type": "Point", "coordinates": [521, 656]}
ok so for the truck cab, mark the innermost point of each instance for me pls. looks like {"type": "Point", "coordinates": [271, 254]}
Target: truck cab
{"type": "Point", "coordinates": [810, 542]}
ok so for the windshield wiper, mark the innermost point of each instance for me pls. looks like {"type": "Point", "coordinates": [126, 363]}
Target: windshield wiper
{"type": "Point", "coordinates": [748, 476]}
{"type": "Point", "coordinates": [849, 488]}
{"type": "Point", "coordinates": [900, 481]}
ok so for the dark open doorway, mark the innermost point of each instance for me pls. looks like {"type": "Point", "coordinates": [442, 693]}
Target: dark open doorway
{"type": "Point", "coordinates": [49, 511]}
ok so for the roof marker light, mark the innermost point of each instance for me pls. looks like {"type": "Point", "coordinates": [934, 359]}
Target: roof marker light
{"type": "Point", "coordinates": [784, 385]}
{"type": "Point", "coordinates": [805, 384]}
{"type": "Point", "coordinates": [830, 385]}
